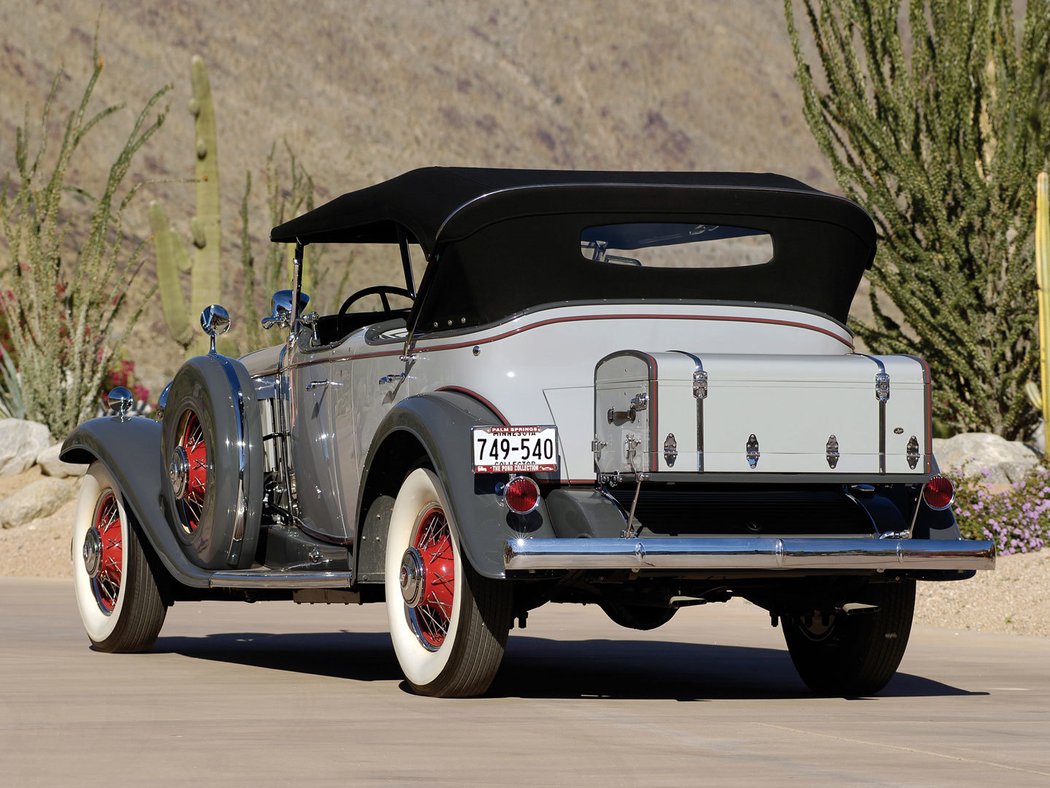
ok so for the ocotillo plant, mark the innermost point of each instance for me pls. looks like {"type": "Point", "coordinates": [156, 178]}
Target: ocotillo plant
{"type": "Point", "coordinates": [1042, 263]}
{"type": "Point", "coordinates": [934, 116]}
{"type": "Point", "coordinates": [65, 289]}
{"type": "Point", "coordinates": [288, 193]}
{"type": "Point", "coordinates": [172, 256]}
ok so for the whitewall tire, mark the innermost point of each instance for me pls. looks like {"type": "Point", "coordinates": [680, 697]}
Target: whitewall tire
{"type": "Point", "coordinates": [117, 596]}
{"type": "Point", "coordinates": [448, 624]}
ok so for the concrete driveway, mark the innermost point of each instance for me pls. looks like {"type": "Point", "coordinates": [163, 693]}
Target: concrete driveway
{"type": "Point", "coordinates": [278, 694]}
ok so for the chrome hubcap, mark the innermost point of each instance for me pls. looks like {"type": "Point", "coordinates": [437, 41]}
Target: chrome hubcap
{"type": "Point", "coordinates": [412, 577]}
{"type": "Point", "coordinates": [92, 552]}
{"type": "Point", "coordinates": [179, 472]}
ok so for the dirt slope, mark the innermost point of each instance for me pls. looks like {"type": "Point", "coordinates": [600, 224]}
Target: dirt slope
{"type": "Point", "coordinates": [366, 90]}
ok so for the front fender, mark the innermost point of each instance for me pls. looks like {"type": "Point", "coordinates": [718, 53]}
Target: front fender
{"type": "Point", "coordinates": [131, 452]}
{"type": "Point", "coordinates": [440, 422]}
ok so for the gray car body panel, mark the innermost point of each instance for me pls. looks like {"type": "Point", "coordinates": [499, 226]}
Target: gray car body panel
{"type": "Point", "coordinates": [441, 423]}
{"type": "Point", "coordinates": [131, 452]}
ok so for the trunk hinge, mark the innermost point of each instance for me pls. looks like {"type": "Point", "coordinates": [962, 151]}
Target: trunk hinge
{"type": "Point", "coordinates": [882, 394]}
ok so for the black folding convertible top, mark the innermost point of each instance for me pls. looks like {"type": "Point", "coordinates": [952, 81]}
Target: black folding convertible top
{"type": "Point", "coordinates": [491, 227]}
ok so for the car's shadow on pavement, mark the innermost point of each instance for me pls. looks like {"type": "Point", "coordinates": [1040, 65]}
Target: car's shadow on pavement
{"type": "Point", "coordinates": [541, 668]}
{"type": "Point", "coordinates": [359, 656]}
{"type": "Point", "coordinates": [633, 669]}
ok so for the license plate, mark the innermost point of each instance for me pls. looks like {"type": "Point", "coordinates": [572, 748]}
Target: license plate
{"type": "Point", "coordinates": [514, 449]}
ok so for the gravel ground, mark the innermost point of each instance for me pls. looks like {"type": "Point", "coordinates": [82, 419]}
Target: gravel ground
{"type": "Point", "coordinates": [1013, 598]}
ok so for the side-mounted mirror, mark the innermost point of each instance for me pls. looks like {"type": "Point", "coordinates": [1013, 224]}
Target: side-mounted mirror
{"type": "Point", "coordinates": [215, 320]}
{"type": "Point", "coordinates": [121, 402]}
{"type": "Point", "coordinates": [281, 309]}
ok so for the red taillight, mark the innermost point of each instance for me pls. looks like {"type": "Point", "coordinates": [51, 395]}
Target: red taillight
{"type": "Point", "coordinates": [522, 495]}
{"type": "Point", "coordinates": [939, 492]}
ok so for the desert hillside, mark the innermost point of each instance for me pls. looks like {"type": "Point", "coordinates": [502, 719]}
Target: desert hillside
{"type": "Point", "coordinates": [365, 90]}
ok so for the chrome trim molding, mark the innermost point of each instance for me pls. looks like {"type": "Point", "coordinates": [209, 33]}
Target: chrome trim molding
{"type": "Point", "coordinates": [162, 402]}
{"type": "Point", "coordinates": [747, 553]}
{"type": "Point", "coordinates": [240, 512]}
{"type": "Point", "coordinates": [882, 396]}
{"type": "Point", "coordinates": [262, 578]}
{"type": "Point", "coordinates": [700, 387]}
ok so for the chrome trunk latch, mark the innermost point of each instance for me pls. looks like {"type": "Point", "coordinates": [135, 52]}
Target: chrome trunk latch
{"type": "Point", "coordinates": [670, 449]}
{"type": "Point", "coordinates": [596, 448]}
{"type": "Point", "coordinates": [700, 384]}
{"type": "Point", "coordinates": [630, 450]}
{"type": "Point", "coordinates": [882, 387]}
{"type": "Point", "coordinates": [752, 452]}
{"type": "Point", "coordinates": [912, 452]}
{"type": "Point", "coordinates": [832, 451]}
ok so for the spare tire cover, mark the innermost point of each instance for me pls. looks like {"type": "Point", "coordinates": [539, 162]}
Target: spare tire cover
{"type": "Point", "coordinates": [212, 456]}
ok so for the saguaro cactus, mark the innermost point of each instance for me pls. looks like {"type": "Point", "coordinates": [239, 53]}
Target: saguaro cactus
{"type": "Point", "coordinates": [172, 256]}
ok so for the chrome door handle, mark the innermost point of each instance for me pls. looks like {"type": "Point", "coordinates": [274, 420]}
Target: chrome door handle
{"type": "Point", "coordinates": [396, 377]}
{"type": "Point", "coordinates": [316, 384]}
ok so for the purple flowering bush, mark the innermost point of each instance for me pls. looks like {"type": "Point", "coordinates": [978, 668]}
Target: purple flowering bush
{"type": "Point", "coordinates": [1016, 519]}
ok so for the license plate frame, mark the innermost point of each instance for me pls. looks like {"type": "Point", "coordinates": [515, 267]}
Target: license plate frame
{"type": "Point", "coordinates": [514, 448]}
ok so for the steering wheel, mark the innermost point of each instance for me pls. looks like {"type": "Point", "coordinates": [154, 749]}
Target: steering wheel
{"type": "Point", "coordinates": [380, 290]}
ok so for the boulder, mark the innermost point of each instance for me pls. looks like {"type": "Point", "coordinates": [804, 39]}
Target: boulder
{"type": "Point", "coordinates": [51, 465]}
{"type": "Point", "coordinates": [20, 442]}
{"type": "Point", "coordinates": [985, 454]}
{"type": "Point", "coordinates": [1039, 439]}
{"type": "Point", "coordinates": [35, 500]}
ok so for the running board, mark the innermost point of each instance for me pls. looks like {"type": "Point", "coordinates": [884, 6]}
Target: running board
{"type": "Point", "coordinates": [270, 578]}
{"type": "Point", "coordinates": [727, 553]}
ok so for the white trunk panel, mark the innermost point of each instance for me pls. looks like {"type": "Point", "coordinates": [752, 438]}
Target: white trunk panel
{"type": "Point", "coordinates": [756, 414]}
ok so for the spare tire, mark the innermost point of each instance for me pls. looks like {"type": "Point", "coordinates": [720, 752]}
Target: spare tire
{"type": "Point", "coordinates": [212, 452]}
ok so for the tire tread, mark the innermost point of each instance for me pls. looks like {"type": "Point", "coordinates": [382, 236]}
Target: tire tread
{"type": "Point", "coordinates": [481, 651]}
{"type": "Point", "coordinates": [864, 653]}
{"type": "Point", "coordinates": [144, 610]}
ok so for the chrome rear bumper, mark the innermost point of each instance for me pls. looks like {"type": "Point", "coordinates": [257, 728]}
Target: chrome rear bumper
{"type": "Point", "coordinates": [727, 553]}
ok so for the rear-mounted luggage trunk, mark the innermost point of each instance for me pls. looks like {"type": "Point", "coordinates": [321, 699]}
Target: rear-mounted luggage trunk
{"type": "Point", "coordinates": [849, 416]}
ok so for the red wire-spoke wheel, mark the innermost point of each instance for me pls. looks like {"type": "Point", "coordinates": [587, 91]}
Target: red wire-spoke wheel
{"type": "Point", "coordinates": [428, 579]}
{"type": "Point", "coordinates": [103, 553]}
{"type": "Point", "coordinates": [188, 470]}
{"type": "Point", "coordinates": [448, 624]}
{"type": "Point", "coordinates": [117, 594]}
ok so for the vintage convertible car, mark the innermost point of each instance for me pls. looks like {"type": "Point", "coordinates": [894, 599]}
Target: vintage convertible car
{"type": "Point", "coordinates": [629, 389]}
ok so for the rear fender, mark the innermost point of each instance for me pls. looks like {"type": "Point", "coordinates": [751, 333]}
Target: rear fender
{"type": "Point", "coordinates": [131, 452]}
{"type": "Point", "coordinates": [439, 423]}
